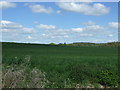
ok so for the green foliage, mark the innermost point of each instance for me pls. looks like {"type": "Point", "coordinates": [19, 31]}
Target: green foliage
{"type": "Point", "coordinates": [79, 73]}
{"type": "Point", "coordinates": [53, 44]}
{"type": "Point", "coordinates": [111, 44]}
{"type": "Point", "coordinates": [108, 78]}
{"type": "Point", "coordinates": [65, 66]}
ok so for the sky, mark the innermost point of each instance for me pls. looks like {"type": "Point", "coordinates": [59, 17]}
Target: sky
{"type": "Point", "coordinates": [59, 22]}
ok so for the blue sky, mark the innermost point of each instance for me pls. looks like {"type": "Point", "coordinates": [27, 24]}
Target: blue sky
{"type": "Point", "coordinates": [47, 22]}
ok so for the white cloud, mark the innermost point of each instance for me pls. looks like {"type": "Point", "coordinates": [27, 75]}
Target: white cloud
{"type": "Point", "coordinates": [94, 27]}
{"type": "Point", "coordinates": [40, 9]}
{"type": "Point", "coordinates": [90, 32]}
{"type": "Point", "coordinates": [29, 37]}
{"type": "Point", "coordinates": [43, 34]}
{"type": "Point", "coordinates": [77, 29]}
{"type": "Point", "coordinates": [113, 25]}
{"type": "Point", "coordinates": [14, 32]}
{"type": "Point", "coordinates": [86, 35]}
{"type": "Point", "coordinates": [66, 36]}
{"type": "Point", "coordinates": [43, 26]}
{"type": "Point", "coordinates": [4, 4]}
{"type": "Point", "coordinates": [5, 22]}
{"type": "Point", "coordinates": [110, 35]}
{"type": "Point", "coordinates": [28, 30]}
{"type": "Point", "coordinates": [89, 23]}
{"type": "Point", "coordinates": [37, 8]}
{"type": "Point", "coordinates": [9, 26]}
{"type": "Point", "coordinates": [58, 11]}
{"type": "Point", "coordinates": [96, 9]}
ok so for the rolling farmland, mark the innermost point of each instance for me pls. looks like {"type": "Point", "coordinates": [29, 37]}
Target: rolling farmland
{"type": "Point", "coordinates": [66, 66]}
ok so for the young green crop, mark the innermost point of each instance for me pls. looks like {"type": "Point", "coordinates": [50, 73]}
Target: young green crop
{"type": "Point", "coordinates": [65, 65]}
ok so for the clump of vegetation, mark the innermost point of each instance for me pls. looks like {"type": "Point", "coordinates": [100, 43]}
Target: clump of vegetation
{"type": "Point", "coordinates": [21, 76]}
{"type": "Point", "coordinates": [79, 73]}
{"type": "Point", "coordinates": [108, 78]}
{"type": "Point", "coordinates": [52, 44]}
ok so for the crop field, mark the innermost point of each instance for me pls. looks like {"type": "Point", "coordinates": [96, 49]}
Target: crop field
{"type": "Point", "coordinates": [66, 66]}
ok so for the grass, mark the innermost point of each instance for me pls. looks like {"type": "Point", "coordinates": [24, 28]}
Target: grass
{"type": "Point", "coordinates": [65, 66]}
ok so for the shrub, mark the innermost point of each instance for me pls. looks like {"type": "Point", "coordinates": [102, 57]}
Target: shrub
{"type": "Point", "coordinates": [23, 77]}
{"type": "Point", "coordinates": [80, 73]}
{"type": "Point", "coordinates": [108, 78]}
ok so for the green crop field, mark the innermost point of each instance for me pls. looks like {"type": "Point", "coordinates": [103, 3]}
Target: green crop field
{"type": "Point", "coordinates": [66, 66]}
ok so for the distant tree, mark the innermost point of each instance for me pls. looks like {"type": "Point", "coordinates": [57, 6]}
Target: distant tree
{"type": "Point", "coordinates": [60, 44]}
{"type": "Point", "coordinates": [52, 44]}
{"type": "Point", "coordinates": [64, 43]}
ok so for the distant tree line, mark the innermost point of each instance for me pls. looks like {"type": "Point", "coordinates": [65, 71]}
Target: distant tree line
{"type": "Point", "coordinates": [110, 44]}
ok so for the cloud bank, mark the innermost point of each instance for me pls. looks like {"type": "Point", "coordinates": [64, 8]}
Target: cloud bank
{"type": "Point", "coordinates": [43, 33]}
{"type": "Point", "coordinates": [4, 5]}
{"type": "Point", "coordinates": [96, 9]}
